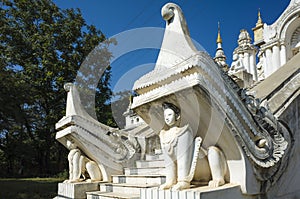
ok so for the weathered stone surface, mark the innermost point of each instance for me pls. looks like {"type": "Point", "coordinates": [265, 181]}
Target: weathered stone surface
{"type": "Point", "coordinates": [288, 185]}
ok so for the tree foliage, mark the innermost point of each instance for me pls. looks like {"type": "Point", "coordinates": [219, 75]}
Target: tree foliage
{"type": "Point", "coordinates": [41, 48]}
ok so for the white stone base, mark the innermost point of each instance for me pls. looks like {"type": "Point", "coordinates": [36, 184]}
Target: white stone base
{"type": "Point", "coordinates": [76, 190]}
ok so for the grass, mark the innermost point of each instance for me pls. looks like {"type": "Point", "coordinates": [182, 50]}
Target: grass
{"type": "Point", "coordinates": [29, 188]}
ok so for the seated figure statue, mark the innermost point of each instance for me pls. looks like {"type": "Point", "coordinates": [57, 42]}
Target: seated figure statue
{"type": "Point", "coordinates": [79, 164]}
{"type": "Point", "coordinates": [178, 144]}
{"type": "Point", "coordinates": [237, 64]}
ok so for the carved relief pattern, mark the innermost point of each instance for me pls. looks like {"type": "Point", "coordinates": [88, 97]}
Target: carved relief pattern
{"type": "Point", "coordinates": [268, 158]}
{"type": "Point", "coordinates": [295, 41]}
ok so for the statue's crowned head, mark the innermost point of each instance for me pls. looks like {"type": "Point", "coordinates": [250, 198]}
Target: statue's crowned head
{"type": "Point", "coordinates": [171, 113]}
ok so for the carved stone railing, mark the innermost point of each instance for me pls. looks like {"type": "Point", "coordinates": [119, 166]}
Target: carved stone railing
{"type": "Point", "coordinates": [99, 142]}
{"type": "Point", "coordinates": [264, 140]}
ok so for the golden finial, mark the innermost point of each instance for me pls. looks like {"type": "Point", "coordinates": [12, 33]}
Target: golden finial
{"type": "Point", "coordinates": [259, 20]}
{"type": "Point", "coordinates": [219, 39]}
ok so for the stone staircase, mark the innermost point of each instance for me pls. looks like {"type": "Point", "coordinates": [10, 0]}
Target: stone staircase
{"type": "Point", "coordinates": [142, 182]}
{"type": "Point", "coordinates": [148, 173]}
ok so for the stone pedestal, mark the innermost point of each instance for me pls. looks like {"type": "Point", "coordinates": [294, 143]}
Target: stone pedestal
{"type": "Point", "coordinates": [76, 190]}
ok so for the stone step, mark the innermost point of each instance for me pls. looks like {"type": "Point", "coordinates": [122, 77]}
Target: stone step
{"type": "Point", "coordinates": [228, 191]}
{"type": "Point", "coordinates": [125, 188]}
{"type": "Point", "coordinates": [145, 171]}
{"type": "Point", "coordinates": [76, 190]}
{"type": "Point", "coordinates": [149, 163]}
{"type": "Point", "coordinates": [154, 157]}
{"type": "Point", "coordinates": [139, 179]}
{"type": "Point", "coordinates": [111, 195]}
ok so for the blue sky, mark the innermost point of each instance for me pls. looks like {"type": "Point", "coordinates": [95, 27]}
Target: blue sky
{"type": "Point", "coordinates": [113, 17]}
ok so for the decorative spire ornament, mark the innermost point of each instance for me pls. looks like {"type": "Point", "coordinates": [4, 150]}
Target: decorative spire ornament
{"type": "Point", "coordinates": [220, 57]}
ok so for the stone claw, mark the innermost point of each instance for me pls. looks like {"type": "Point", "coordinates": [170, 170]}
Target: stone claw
{"type": "Point", "coordinates": [180, 186]}
{"type": "Point", "coordinates": [216, 183]}
{"type": "Point", "coordinates": [165, 186]}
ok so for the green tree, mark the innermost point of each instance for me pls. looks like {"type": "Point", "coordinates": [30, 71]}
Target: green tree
{"type": "Point", "coordinates": [41, 48]}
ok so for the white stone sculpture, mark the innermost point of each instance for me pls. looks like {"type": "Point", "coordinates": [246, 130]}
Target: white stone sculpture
{"type": "Point", "coordinates": [236, 65]}
{"type": "Point", "coordinates": [79, 164]}
{"type": "Point", "coordinates": [178, 146]}
{"type": "Point", "coordinates": [244, 56]}
{"type": "Point", "coordinates": [260, 68]}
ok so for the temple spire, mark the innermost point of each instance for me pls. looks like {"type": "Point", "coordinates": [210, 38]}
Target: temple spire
{"type": "Point", "coordinates": [258, 30]}
{"type": "Point", "coordinates": [219, 39]}
{"type": "Point", "coordinates": [259, 20]}
{"type": "Point", "coordinates": [220, 57]}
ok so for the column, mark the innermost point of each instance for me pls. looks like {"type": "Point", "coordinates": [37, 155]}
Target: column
{"type": "Point", "coordinates": [268, 59]}
{"type": "Point", "coordinates": [282, 54]}
{"type": "Point", "coordinates": [253, 69]}
{"type": "Point", "coordinates": [275, 58]}
{"type": "Point", "coordinates": [246, 62]}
